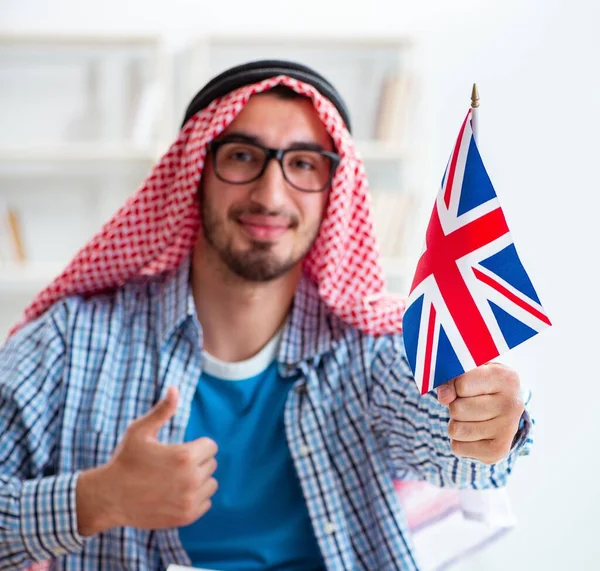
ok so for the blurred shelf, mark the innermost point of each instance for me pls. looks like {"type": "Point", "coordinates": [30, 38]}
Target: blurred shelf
{"type": "Point", "coordinates": [70, 153]}
{"type": "Point", "coordinates": [311, 40]}
{"type": "Point", "coordinates": [14, 39]}
{"type": "Point", "coordinates": [373, 150]}
{"type": "Point", "coordinates": [28, 278]}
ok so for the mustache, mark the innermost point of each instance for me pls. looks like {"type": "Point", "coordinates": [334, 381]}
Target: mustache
{"type": "Point", "coordinates": [259, 209]}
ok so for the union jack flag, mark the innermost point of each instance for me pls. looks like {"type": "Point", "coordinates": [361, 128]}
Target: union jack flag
{"type": "Point", "coordinates": [471, 298]}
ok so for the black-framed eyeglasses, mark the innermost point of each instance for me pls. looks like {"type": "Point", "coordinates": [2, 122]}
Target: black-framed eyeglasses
{"type": "Point", "coordinates": [305, 168]}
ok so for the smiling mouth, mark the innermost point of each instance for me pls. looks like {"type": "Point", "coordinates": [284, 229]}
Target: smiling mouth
{"type": "Point", "coordinates": [262, 230]}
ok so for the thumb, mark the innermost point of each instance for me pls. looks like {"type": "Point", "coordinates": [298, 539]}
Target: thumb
{"type": "Point", "coordinates": [446, 393]}
{"type": "Point", "coordinates": [159, 414]}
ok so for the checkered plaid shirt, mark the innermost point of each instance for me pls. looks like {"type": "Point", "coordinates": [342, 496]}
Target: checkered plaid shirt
{"type": "Point", "coordinates": [75, 378]}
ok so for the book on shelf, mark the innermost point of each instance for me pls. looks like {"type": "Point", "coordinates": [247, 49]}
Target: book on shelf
{"type": "Point", "coordinates": [12, 249]}
{"type": "Point", "coordinates": [392, 212]}
{"type": "Point", "coordinates": [393, 108]}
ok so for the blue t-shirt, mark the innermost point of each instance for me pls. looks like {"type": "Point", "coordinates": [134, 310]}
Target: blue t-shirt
{"type": "Point", "coordinates": [258, 519]}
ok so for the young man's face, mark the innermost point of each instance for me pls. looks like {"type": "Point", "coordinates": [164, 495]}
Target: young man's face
{"type": "Point", "coordinates": [264, 228]}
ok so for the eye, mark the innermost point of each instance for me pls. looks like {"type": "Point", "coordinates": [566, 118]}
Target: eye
{"type": "Point", "coordinates": [241, 156]}
{"type": "Point", "coordinates": [303, 164]}
{"type": "Point", "coordinates": [239, 153]}
{"type": "Point", "coordinates": [304, 161]}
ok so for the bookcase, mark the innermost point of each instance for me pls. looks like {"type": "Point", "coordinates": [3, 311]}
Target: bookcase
{"type": "Point", "coordinates": [85, 118]}
{"type": "Point", "coordinates": [76, 141]}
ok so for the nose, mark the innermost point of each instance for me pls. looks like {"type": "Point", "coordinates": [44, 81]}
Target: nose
{"type": "Point", "coordinates": [271, 189]}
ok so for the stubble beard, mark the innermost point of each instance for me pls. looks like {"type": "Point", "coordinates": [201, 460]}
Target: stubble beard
{"type": "Point", "coordinates": [258, 262]}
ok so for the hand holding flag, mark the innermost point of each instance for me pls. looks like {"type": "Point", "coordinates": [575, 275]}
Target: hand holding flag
{"type": "Point", "coordinates": [471, 300]}
{"type": "Point", "coordinates": [485, 408]}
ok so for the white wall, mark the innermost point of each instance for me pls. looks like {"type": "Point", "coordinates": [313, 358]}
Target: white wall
{"type": "Point", "coordinates": [535, 64]}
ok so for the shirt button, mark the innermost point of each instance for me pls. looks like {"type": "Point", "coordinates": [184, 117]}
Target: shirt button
{"type": "Point", "coordinates": [304, 451]}
{"type": "Point", "coordinates": [330, 528]}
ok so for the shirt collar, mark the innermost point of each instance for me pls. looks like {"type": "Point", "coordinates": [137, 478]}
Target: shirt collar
{"type": "Point", "coordinates": [311, 329]}
{"type": "Point", "coordinates": [176, 303]}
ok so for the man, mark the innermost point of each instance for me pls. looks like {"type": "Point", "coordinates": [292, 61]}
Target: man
{"type": "Point", "coordinates": [217, 379]}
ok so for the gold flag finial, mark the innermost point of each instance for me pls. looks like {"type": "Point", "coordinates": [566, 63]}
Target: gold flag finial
{"type": "Point", "coordinates": [474, 97]}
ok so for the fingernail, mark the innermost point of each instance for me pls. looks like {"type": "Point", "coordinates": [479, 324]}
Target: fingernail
{"type": "Point", "coordinates": [443, 392]}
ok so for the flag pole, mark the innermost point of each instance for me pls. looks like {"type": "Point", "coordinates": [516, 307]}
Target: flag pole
{"type": "Point", "coordinates": [474, 112]}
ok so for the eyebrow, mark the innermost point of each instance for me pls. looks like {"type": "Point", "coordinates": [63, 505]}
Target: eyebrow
{"type": "Point", "coordinates": [243, 137]}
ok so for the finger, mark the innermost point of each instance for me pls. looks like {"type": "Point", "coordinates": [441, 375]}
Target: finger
{"type": "Point", "coordinates": [159, 414]}
{"type": "Point", "coordinates": [201, 450]}
{"type": "Point", "coordinates": [446, 393]}
{"type": "Point", "coordinates": [474, 431]}
{"type": "Point", "coordinates": [207, 490]}
{"type": "Point", "coordinates": [204, 507]}
{"type": "Point", "coordinates": [483, 407]}
{"type": "Point", "coordinates": [206, 470]}
{"type": "Point", "coordinates": [487, 451]}
{"type": "Point", "coordinates": [485, 380]}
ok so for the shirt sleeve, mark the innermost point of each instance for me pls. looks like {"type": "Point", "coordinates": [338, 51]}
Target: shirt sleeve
{"type": "Point", "coordinates": [38, 516]}
{"type": "Point", "coordinates": [414, 429]}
